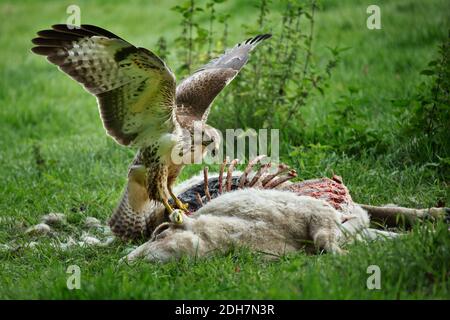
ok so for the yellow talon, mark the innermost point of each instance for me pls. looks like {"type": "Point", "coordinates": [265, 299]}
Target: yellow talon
{"type": "Point", "coordinates": [181, 205]}
{"type": "Point", "coordinates": [166, 204]}
{"type": "Point", "coordinates": [178, 203]}
{"type": "Point", "coordinates": [176, 215]}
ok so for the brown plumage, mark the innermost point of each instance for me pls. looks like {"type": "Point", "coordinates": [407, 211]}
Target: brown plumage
{"type": "Point", "coordinates": [137, 96]}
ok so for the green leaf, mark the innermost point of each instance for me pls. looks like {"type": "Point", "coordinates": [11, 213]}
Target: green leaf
{"type": "Point", "coordinates": [259, 113]}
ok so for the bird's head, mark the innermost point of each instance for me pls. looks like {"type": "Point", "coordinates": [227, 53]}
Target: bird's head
{"type": "Point", "coordinates": [197, 144]}
{"type": "Point", "coordinates": [211, 140]}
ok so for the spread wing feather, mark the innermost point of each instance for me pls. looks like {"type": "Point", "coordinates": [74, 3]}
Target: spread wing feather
{"type": "Point", "coordinates": [134, 88]}
{"type": "Point", "coordinates": [195, 94]}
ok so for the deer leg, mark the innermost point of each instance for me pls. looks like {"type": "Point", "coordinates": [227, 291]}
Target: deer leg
{"type": "Point", "coordinates": [349, 234]}
{"type": "Point", "coordinates": [375, 234]}
{"type": "Point", "coordinates": [392, 214]}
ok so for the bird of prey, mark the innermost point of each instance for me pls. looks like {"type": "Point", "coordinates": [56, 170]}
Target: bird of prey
{"type": "Point", "coordinates": [139, 102]}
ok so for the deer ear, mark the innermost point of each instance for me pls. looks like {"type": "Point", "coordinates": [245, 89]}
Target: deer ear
{"type": "Point", "coordinates": [156, 235]}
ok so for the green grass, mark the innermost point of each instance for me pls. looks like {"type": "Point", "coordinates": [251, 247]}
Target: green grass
{"type": "Point", "coordinates": [410, 268]}
{"type": "Point", "coordinates": [44, 115]}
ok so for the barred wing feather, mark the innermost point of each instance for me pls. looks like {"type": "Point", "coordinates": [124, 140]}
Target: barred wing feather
{"type": "Point", "coordinates": [135, 89]}
{"type": "Point", "coordinates": [195, 94]}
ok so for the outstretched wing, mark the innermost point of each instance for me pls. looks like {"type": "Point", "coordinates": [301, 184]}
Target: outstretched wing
{"type": "Point", "coordinates": [195, 94]}
{"type": "Point", "coordinates": [134, 88]}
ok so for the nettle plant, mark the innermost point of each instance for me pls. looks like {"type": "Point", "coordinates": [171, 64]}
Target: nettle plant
{"type": "Point", "coordinates": [427, 120]}
{"type": "Point", "coordinates": [280, 78]}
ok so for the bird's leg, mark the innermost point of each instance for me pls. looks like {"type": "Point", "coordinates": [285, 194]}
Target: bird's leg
{"type": "Point", "coordinates": [137, 188]}
{"type": "Point", "coordinates": [168, 207]}
{"type": "Point", "coordinates": [180, 205]}
{"type": "Point", "coordinates": [174, 214]}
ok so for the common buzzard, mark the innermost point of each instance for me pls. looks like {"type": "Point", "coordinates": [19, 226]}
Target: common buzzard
{"type": "Point", "coordinates": [139, 102]}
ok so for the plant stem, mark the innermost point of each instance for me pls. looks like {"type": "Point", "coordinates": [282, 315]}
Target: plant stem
{"type": "Point", "coordinates": [190, 24]}
{"type": "Point", "coordinates": [294, 108]}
